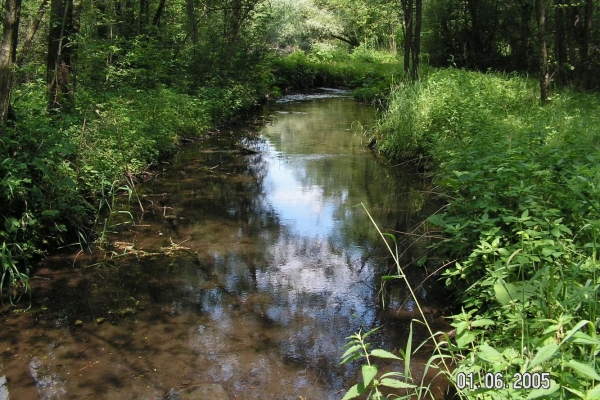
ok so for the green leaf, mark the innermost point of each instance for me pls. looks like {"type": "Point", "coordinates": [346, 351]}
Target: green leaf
{"type": "Point", "coordinates": [584, 369]}
{"type": "Point", "coordinates": [354, 357]}
{"type": "Point", "coordinates": [407, 354]}
{"type": "Point", "coordinates": [584, 338]}
{"type": "Point", "coordinates": [390, 277]}
{"type": "Point", "coordinates": [489, 354]}
{"type": "Point", "coordinates": [482, 322]}
{"type": "Point", "coordinates": [395, 383]}
{"type": "Point", "coordinates": [351, 350]}
{"type": "Point", "coordinates": [466, 338]}
{"type": "Point", "coordinates": [368, 373]}
{"type": "Point", "coordinates": [354, 392]}
{"type": "Point", "coordinates": [593, 393]}
{"type": "Point", "coordinates": [546, 251]}
{"type": "Point", "coordinates": [505, 293]}
{"type": "Point", "coordinates": [384, 354]}
{"type": "Point", "coordinates": [572, 331]}
{"type": "Point", "coordinates": [537, 393]}
{"type": "Point", "coordinates": [544, 354]}
{"type": "Point", "coordinates": [390, 236]}
{"type": "Point", "coordinates": [50, 213]}
{"type": "Point", "coordinates": [372, 331]}
{"type": "Point", "coordinates": [579, 393]}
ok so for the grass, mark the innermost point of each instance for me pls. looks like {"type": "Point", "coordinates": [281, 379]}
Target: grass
{"type": "Point", "coordinates": [59, 172]}
{"type": "Point", "coordinates": [369, 73]}
{"type": "Point", "coordinates": [522, 222]}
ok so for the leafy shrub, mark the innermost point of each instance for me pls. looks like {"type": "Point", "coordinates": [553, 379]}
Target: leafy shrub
{"type": "Point", "coordinates": [57, 170]}
{"type": "Point", "coordinates": [522, 224]}
{"type": "Point", "coordinates": [364, 71]}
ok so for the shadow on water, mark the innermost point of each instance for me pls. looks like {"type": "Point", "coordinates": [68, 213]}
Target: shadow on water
{"type": "Point", "coordinates": [247, 270]}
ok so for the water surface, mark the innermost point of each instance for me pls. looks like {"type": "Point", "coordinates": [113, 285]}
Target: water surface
{"type": "Point", "coordinates": [249, 266]}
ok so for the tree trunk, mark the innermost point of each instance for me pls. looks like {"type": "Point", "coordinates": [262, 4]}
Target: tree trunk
{"type": "Point", "coordinates": [33, 28]}
{"type": "Point", "coordinates": [416, 48]}
{"type": "Point", "coordinates": [159, 11]}
{"type": "Point", "coordinates": [585, 45]}
{"type": "Point", "coordinates": [8, 50]}
{"type": "Point", "coordinates": [353, 42]}
{"type": "Point", "coordinates": [143, 20]}
{"type": "Point", "coordinates": [407, 8]}
{"type": "Point", "coordinates": [543, 52]}
{"type": "Point", "coordinates": [559, 42]}
{"type": "Point", "coordinates": [192, 22]}
{"type": "Point", "coordinates": [58, 67]}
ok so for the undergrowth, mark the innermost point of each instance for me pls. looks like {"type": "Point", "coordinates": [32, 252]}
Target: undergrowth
{"type": "Point", "coordinates": [58, 171]}
{"type": "Point", "coordinates": [522, 224]}
{"type": "Point", "coordinates": [369, 73]}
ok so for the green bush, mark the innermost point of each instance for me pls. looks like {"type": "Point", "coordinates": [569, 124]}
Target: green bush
{"type": "Point", "coordinates": [371, 74]}
{"type": "Point", "coordinates": [522, 223]}
{"type": "Point", "coordinates": [57, 171]}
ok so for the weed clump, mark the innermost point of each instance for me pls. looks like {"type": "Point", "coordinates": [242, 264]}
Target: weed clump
{"type": "Point", "coordinates": [522, 224]}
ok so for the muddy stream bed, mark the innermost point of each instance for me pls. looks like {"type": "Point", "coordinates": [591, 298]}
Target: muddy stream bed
{"type": "Point", "coordinates": [249, 266]}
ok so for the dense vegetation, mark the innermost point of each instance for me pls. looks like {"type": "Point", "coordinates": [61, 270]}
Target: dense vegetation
{"type": "Point", "coordinates": [94, 93]}
{"type": "Point", "coordinates": [521, 227]}
{"type": "Point", "coordinates": [126, 85]}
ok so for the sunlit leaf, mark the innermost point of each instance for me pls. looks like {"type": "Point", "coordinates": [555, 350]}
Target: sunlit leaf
{"type": "Point", "coordinates": [572, 331]}
{"type": "Point", "coordinates": [537, 393]}
{"type": "Point", "coordinates": [488, 353]}
{"type": "Point", "coordinates": [482, 322]}
{"type": "Point", "coordinates": [351, 350]}
{"type": "Point", "coordinates": [593, 393]}
{"type": "Point", "coordinates": [507, 292]}
{"type": "Point", "coordinates": [354, 392]}
{"type": "Point", "coordinates": [584, 369]}
{"type": "Point", "coordinates": [584, 338]}
{"type": "Point", "coordinates": [384, 354]}
{"type": "Point", "coordinates": [368, 373]}
{"type": "Point", "coordinates": [395, 383]}
{"type": "Point", "coordinates": [466, 338]}
{"type": "Point", "coordinates": [544, 354]}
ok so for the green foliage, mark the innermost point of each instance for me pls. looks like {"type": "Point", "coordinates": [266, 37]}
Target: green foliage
{"type": "Point", "coordinates": [522, 222]}
{"type": "Point", "coordinates": [358, 348]}
{"type": "Point", "coordinates": [449, 104]}
{"type": "Point", "coordinates": [306, 24]}
{"type": "Point", "coordinates": [141, 84]}
{"type": "Point", "coordinates": [372, 384]}
{"type": "Point", "coordinates": [370, 73]}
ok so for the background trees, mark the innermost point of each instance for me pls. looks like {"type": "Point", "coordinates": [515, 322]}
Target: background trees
{"type": "Point", "coordinates": [8, 53]}
{"type": "Point", "coordinates": [488, 34]}
{"type": "Point", "coordinates": [90, 44]}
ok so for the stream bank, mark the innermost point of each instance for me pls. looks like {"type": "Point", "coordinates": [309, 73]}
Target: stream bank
{"type": "Point", "coordinates": [245, 272]}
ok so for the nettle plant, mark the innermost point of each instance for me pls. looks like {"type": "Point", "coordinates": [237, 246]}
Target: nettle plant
{"type": "Point", "coordinates": [524, 223]}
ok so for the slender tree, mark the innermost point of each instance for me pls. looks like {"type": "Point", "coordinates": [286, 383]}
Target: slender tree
{"type": "Point", "coordinates": [543, 52]}
{"type": "Point", "coordinates": [58, 66]}
{"type": "Point", "coordinates": [159, 12]}
{"type": "Point", "coordinates": [8, 52]}
{"type": "Point", "coordinates": [586, 44]}
{"type": "Point", "coordinates": [560, 48]}
{"type": "Point", "coordinates": [407, 11]}
{"type": "Point", "coordinates": [412, 11]}
{"type": "Point", "coordinates": [25, 48]}
{"type": "Point", "coordinates": [416, 45]}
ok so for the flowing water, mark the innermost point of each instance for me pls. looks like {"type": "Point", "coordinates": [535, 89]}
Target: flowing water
{"type": "Point", "coordinates": [251, 263]}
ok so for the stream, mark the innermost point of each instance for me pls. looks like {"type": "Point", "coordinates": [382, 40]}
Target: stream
{"type": "Point", "coordinates": [251, 263]}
